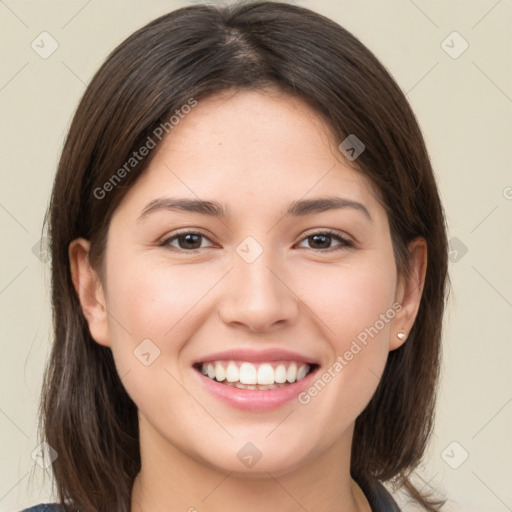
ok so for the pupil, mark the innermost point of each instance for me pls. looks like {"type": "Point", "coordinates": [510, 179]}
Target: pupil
{"type": "Point", "coordinates": [189, 239]}
{"type": "Point", "coordinates": [325, 237]}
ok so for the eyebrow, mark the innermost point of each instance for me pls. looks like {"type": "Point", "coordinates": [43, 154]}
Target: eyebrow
{"type": "Point", "coordinates": [213, 208]}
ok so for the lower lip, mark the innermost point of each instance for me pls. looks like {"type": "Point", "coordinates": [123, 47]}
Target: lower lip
{"type": "Point", "coordinates": [256, 399]}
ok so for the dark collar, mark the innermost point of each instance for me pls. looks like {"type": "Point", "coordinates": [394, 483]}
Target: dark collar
{"type": "Point", "coordinates": [378, 496]}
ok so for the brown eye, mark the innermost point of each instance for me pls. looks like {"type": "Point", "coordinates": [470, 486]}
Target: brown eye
{"type": "Point", "coordinates": [323, 239]}
{"type": "Point", "coordinates": [187, 241]}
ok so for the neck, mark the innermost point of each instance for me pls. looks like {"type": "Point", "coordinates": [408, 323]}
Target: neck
{"type": "Point", "coordinates": [173, 481]}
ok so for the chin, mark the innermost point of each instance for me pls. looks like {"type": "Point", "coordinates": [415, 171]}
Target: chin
{"type": "Point", "coordinates": [255, 460]}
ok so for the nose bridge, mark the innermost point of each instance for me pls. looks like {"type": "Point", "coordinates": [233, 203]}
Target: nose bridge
{"type": "Point", "coordinates": [258, 296]}
{"type": "Point", "coordinates": [253, 272]}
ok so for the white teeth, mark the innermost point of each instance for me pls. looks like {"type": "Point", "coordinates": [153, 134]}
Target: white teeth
{"type": "Point", "coordinates": [220, 373]}
{"type": "Point", "coordinates": [280, 374]}
{"type": "Point", "coordinates": [253, 386]}
{"type": "Point", "coordinates": [265, 374]}
{"type": "Point", "coordinates": [291, 374]}
{"type": "Point", "coordinates": [232, 373]}
{"type": "Point", "coordinates": [255, 376]}
{"type": "Point", "coordinates": [248, 374]}
{"type": "Point", "coordinates": [301, 372]}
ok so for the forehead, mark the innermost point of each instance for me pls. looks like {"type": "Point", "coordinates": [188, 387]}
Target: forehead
{"type": "Point", "coordinates": [250, 149]}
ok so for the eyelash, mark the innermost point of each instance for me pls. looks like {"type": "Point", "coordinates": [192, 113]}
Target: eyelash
{"type": "Point", "coordinates": [345, 243]}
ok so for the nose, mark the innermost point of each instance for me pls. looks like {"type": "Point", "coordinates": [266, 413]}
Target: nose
{"type": "Point", "coordinates": [258, 297]}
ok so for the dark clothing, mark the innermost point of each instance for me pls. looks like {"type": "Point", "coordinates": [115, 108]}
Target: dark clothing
{"type": "Point", "coordinates": [378, 497]}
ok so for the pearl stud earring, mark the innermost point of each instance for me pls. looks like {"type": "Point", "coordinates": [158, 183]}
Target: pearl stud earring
{"type": "Point", "coordinates": [401, 336]}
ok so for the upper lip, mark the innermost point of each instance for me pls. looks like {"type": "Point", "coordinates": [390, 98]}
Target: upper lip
{"type": "Point", "coordinates": [267, 355]}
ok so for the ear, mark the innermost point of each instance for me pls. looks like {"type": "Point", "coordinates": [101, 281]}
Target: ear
{"type": "Point", "coordinates": [89, 290]}
{"type": "Point", "coordinates": [409, 292]}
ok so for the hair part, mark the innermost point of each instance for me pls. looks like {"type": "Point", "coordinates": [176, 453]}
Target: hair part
{"type": "Point", "coordinates": [194, 52]}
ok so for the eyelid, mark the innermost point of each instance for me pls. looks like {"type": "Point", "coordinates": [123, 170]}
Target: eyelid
{"type": "Point", "coordinates": [328, 231]}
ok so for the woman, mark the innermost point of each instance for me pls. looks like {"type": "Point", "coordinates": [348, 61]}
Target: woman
{"type": "Point", "coordinates": [288, 358]}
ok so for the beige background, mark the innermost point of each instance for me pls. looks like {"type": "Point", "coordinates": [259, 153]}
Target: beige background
{"type": "Point", "coordinates": [464, 106]}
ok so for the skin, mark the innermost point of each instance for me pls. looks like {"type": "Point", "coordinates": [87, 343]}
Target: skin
{"type": "Point", "coordinates": [255, 152]}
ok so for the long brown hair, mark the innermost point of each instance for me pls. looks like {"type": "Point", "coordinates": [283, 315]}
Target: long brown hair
{"type": "Point", "coordinates": [86, 414]}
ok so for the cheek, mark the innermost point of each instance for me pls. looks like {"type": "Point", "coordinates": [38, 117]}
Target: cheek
{"type": "Point", "coordinates": [152, 300]}
{"type": "Point", "coordinates": [351, 298]}
{"type": "Point", "coordinates": [355, 306]}
{"type": "Point", "coordinates": [160, 304]}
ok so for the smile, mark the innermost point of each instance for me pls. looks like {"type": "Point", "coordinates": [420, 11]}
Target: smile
{"type": "Point", "coordinates": [263, 375]}
{"type": "Point", "coordinates": [255, 380]}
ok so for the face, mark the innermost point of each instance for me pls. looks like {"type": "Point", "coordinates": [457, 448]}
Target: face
{"type": "Point", "coordinates": [290, 314]}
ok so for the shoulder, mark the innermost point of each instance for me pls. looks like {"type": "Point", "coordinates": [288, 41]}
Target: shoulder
{"type": "Point", "coordinates": [44, 507]}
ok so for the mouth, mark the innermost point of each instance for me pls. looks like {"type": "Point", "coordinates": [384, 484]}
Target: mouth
{"type": "Point", "coordinates": [262, 375]}
{"type": "Point", "coordinates": [255, 380]}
